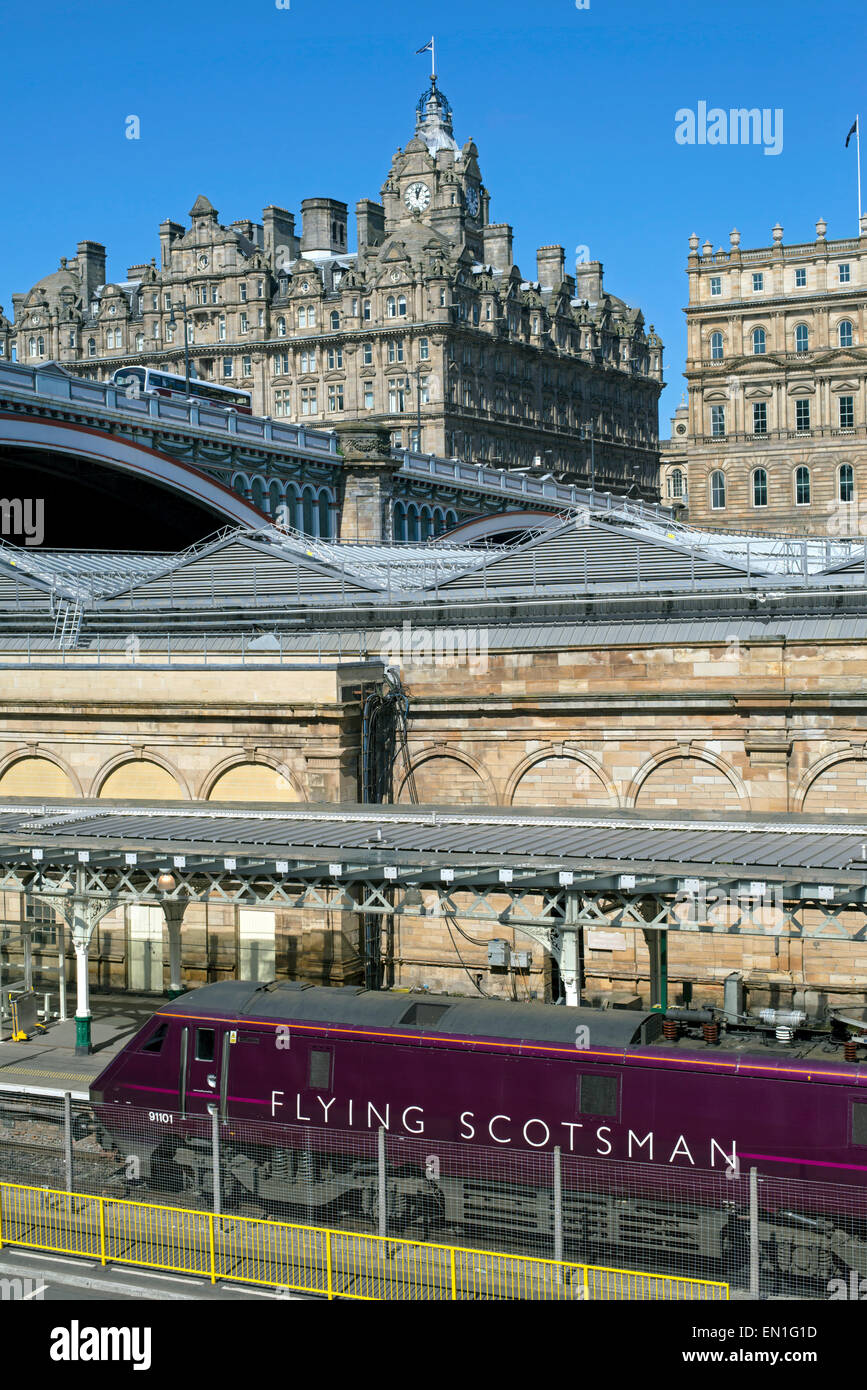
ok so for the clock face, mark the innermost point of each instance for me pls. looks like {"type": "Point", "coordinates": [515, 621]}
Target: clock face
{"type": "Point", "coordinates": [417, 197]}
{"type": "Point", "coordinates": [473, 202]}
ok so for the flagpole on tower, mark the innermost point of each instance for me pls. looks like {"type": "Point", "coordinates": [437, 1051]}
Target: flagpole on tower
{"type": "Point", "coordinates": [858, 157]}
{"type": "Point", "coordinates": [433, 78]}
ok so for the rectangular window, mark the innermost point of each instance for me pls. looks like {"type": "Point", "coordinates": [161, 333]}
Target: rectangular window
{"type": "Point", "coordinates": [308, 400]}
{"type": "Point", "coordinates": [242, 290]}
{"type": "Point", "coordinates": [282, 403]}
{"type": "Point", "coordinates": [760, 417]}
{"type": "Point", "coordinates": [397, 394]}
{"type": "Point", "coordinates": [424, 390]}
{"type": "Point", "coordinates": [243, 325]}
{"type": "Point", "coordinates": [156, 1040]}
{"type": "Point", "coordinates": [281, 364]}
{"type": "Point", "coordinates": [222, 329]}
{"type": "Point", "coordinates": [802, 415]}
{"type": "Point", "coordinates": [308, 361]}
{"type": "Point", "coordinates": [758, 280]}
{"type": "Point", "coordinates": [859, 1125]}
{"type": "Point", "coordinates": [335, 397]}
{"type": "Point", "coordinates": [716, 284]}
{"type": "Point", "coordinates": [215, 294]}
{"type": "Point", "coordinates": [423, 349]}
{"type": "Point", "coordinates": [228, 367]}
{"type": "Point", "coordinates": [260, 318]}
{"type": "Point", "coordinates": [167, 301]}
{"type": "Point", "coordinates": [800, 278]}
{"type": "Point", "coordinates": [260, 288]}
{"type": "Point", "coordinates": [155, 301]}
{"type": "Point", "coordinates": [368, 395]}
{"type": "Point", "coordinates": [847, 412]}
{"type": "Point", "coordinates": [319, 1070]}
{"type": "Point", "coordinates": [205, 1044]}
{"type": "Point", "coordinates": [366, 309]}
{"type": "Point", "coordinates": [598, 1095]}
{"type": "Point", "coordinates": [246, 366]}
{"type": "Point", "coordinates": [367, 355]}
{"type": "Point", "coordinates": [845, 275]}
{"type": "Point", "coordinates": [718, 419]}
{"type": "Point", "coordinates": [335, 358]}
{"type": "Point", "coordinates": [395, 350]}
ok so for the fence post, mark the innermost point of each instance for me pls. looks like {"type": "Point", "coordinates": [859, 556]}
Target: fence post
{"type": "Point", "coordinates": [380, 1181]}
{"type": "Point", "coordinates": [211, 1246]}
{"type": "Point", "coordinates": [454, 1278]}
{"type": "Point", "coordinates": [214, 1113]}
{"type": "Point", "coordinates": [67, 1138]}
{"type": "Point", "coordinates": [558, 1206]}
{"type": "Point", "coordinates": [102, 1229]}
{"type": "Point", "coordinates": [328, 1263]}
{"type": "Point", "coordinates": [754, 1233]}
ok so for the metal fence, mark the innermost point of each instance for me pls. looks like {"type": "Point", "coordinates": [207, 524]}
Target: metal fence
{"type": "Point", "coordinates": [764, 1236]}
{"type": "Point", "coordinates": [306, 1259]}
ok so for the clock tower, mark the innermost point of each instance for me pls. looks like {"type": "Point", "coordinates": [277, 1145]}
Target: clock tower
{"type": "Point", "coordinates": [434, 183]}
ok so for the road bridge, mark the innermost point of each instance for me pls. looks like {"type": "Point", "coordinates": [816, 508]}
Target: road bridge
{"type": "Point", "coordinates": [548, 875]}
{"type": "Point", "coordinates": [240, 467]}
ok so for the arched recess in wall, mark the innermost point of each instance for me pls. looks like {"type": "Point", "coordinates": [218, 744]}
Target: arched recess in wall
{"type": "Point", "coordinates": [32, 775]}
{"type": "Point", "coordinates": [838, 783]}
{"type": "Point", "coordinates": [560, 777]}
{"type": "Point", "coordinates": [139, 779]}
{"type": "Point", "coordinates": [447, 778]}
{"type": "Point", "coordinates": [688, 782]}
{"type": "Point", "coordinates": [251, 781]}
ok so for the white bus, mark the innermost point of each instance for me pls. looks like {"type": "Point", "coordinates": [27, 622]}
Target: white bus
{"type": "Point", "coordinates": [141, 381]}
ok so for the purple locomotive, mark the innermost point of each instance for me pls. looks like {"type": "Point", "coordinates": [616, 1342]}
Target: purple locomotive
{"type": "Point", "coordinates": [297, 1071]}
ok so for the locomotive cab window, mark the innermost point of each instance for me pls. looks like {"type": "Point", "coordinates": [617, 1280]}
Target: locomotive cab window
{"type": "Point", "coordinates": [155, 1042]}
{"type": "Point", "coordinates": [319, 1070]}
{"type": "Point", "coordinates": [859, 1124]}
{"type": "Point", "coordinates": [598, 1095]}
{"type": "Point", "coordinates": [205, 1044]}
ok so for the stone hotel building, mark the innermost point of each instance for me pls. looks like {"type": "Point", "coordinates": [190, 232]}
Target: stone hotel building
{"type": "Point", "coordinates": [429, 324]}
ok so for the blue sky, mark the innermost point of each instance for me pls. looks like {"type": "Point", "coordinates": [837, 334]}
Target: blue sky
{"type": "Point", "coordinates": [573, 111]}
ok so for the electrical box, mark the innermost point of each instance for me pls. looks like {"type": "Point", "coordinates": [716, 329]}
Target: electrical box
{"type": "Point", "coordinates": [522, 960]}
{"type": "Point", "coordinates": [498, 953]}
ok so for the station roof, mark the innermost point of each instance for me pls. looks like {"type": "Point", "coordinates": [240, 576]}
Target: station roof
{"type": "Point", "coordinates": [420, 841]}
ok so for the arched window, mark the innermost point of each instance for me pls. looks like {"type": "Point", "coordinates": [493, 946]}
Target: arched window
{"type": "Point", "coordinates": [846, 482]}
{"type": "Point", "coordinates": [307, 511]}
{"type": "Point", "coordinates": [275, 499]}
{"type": "Point", "coordinates": [451, 519]}
{"type": "Point", "coordinates": [399, 521]}
{"type": "Point", "coordinates": [257, 492]}
{"type": "Point", "coordinates": [91, 347]}
{"type": "Point", "coordinates": [324, 515]}
{"type": "Point", "coordinates": [760, 487]}
{"type": "Point", "coordinates": [718, 491]}
{"type": "Point", "coordinates": [844, 333]}
{"type": "Point", "coordinates": [716, 346]}
{"type": "Point", "coordinates": [412, 522]}
{"type": "Point", "coordinates": [335, 319]}
{"type": "Point", "coordinates": [439, 521]}
{"type": "Point", "coordinates": [426, 523]}
{"type": "Point", "coordinates": [281, 326]}
{"type": "Point", "coordinates": [802, 338]}
{"type": "Point", "coordinates": [391, 307]}
{"type": "Point", "coordinates": [802, 487]}
{"type": "Point", "coordinates": [759, 342]}
{"type": "Point", "coordinates": [401, 306]}
{"type": "Point", "coordinates": [675, 483]}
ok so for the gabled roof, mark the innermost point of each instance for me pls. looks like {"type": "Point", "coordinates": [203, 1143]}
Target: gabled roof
{"type": "Point", "coordinates": [588, 551]}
